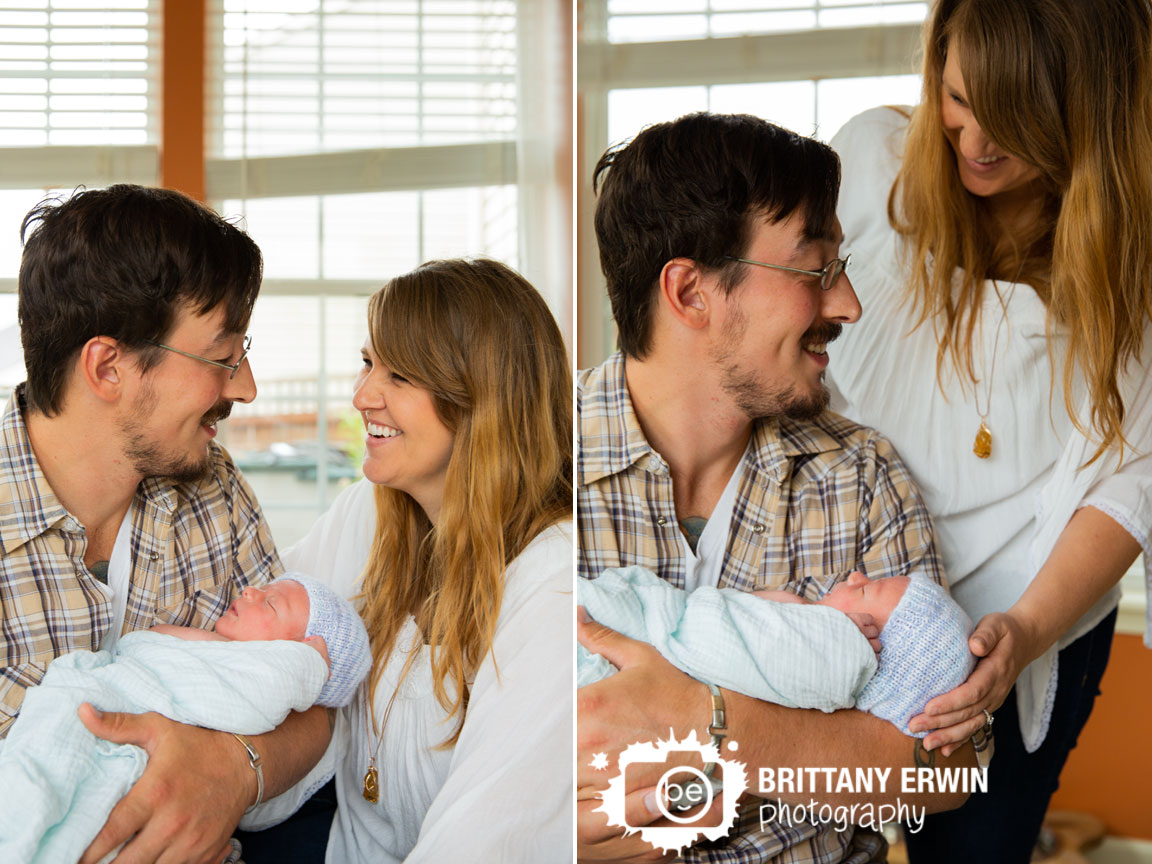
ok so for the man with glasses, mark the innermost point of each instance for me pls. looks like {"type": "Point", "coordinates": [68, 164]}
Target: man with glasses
{"type": "Point", "coordinates": [120, 512]}
{"type": "Point", "coordinates": [706, 454]}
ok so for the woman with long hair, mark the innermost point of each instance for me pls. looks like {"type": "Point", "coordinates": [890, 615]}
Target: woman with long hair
{"type": "Point", "coordinates": [458, 548]}
{"type": "Point", "coordinates": [1002, 239]}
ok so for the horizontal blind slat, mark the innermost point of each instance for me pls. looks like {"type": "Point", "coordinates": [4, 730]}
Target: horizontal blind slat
{"type": "Point", "coordinates": [408, 73]}
{"type": "Point", "coordinates": [94, 65]}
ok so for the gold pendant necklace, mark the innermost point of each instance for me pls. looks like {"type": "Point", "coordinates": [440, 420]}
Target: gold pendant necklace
{"type": "Point", "coordinates": [372, 776]}
{"type": "Point", "coordinates": [982, 446]}
{"type": "Point", "coordinates": [371, 784]}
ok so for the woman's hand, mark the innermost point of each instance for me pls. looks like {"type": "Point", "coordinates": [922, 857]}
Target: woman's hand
{"type": "Point", "coordinates": [1004, 649]}
{"type": "Point", "coordinates": [321, 647]}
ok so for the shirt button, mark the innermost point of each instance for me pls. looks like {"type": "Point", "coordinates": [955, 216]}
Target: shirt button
{"type": "Point", "coordinates": [153, 556]}
{"type": "Point", "coordinates": [661, 521]}
{"type": "Point", "coordinates": [757, 528]}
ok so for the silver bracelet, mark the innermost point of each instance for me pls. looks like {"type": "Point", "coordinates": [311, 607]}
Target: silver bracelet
{"type": "Point", "coordinates": [717, 729]}
{"type": "Point", "coordinates": [257, 765]}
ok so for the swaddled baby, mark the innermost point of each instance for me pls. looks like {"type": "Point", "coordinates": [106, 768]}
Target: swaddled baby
{"type": "Point", "coordinates": [283, 647]}
{"type": "Point", "coordinates": [296, 608]}
{"type": "Point", "coordinates": [775, 646]}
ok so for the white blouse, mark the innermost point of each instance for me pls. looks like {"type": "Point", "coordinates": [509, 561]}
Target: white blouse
{"type": "Point", "coordinates": [504, 791]}
{"type": "Point", "coordinates": [997, 519]}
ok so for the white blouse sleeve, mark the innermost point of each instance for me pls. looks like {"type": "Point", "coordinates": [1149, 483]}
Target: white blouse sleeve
{"type": "Point", "coordinates": [1125, 493]}
{"type": "Point", "coordinates": [870, 146]}
{"type": "Point", "coordinates": [508, 795]}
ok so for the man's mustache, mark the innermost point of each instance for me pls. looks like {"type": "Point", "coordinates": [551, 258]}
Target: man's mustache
{"type": "Point", "coordinates": [823, 333]}
{"type": "Point", "coordinates": [219, 411]}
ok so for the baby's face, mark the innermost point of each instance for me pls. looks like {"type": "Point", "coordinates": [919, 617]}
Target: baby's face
{"type": "Point", "coordinates": [876, 597]}
{"type": "Point", "coordinates": [277, 611]}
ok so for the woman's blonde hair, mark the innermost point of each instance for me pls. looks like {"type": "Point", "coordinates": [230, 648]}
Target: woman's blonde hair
{"type": "Point", "coordinates": [1063, 85]}
{"type": "Point", "coordinates": [482, 341]}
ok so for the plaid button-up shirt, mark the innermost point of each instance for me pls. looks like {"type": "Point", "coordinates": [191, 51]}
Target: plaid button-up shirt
{"type": "Point", "coordinates": [817, 499]}
{"type": "Point", "coordinates": [192, 547]}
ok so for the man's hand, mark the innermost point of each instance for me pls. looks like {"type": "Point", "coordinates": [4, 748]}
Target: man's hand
{"type": "Point", "coordinates": [596, 841]}
{"type": "Point", "coordinates": [640, 810]}
{"type": "Point", "coordinates": [1002, 646]}
{"type": "Point", "coordinates": [189, 799]}
{"type": "Point", "coordinates": [642, 702]}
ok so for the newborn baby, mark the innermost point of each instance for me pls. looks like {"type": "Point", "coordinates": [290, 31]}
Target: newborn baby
{"type": "Point", "coordinates": [279, 648]}
{"type": "Point", "coordinates": [296, 608]}
{"type": "Point", "coordinates": [775, 646]}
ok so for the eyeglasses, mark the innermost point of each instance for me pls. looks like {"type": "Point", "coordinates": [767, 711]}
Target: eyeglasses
{"type": "Point", "coordinates": [828, 275]}
{"type": "Point", "coordinates": [232, 367]}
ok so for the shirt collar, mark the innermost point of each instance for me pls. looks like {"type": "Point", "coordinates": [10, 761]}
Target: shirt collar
{"type": "Point", "coordinates": [777, 441]}
{"type": "Point", "coordinates": [611, 439]}
{"type": "Point", "coordinates": [28, 506]}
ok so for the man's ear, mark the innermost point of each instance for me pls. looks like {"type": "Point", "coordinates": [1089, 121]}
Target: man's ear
{"type": "Point", "coordinates": [682, 293]}
{"type": "Point", "coordinates": [102, 364]}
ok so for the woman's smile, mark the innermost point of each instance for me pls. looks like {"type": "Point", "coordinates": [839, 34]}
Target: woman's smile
{"type": "Point", "coordinates": [378, 430]}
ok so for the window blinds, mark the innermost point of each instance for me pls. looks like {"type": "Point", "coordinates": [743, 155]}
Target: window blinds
{"type": "Point", "coordinates": [643, 21]}
{"type": "Point", "coordinates": [317, 76]}
{"type": "Point", "coordinates": [79, 72]}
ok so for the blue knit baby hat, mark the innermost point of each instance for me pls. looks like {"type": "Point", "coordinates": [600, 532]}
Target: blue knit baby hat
{"type": "Point", "coordinates": [334, 618]}
{"type": "Point", "coordinates": [924, 654]}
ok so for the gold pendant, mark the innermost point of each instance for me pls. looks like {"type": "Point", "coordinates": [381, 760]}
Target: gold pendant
{"type": "Point", "coordinates": [371, 787]}
{"type": "Point", "coordinates": [983, 444]}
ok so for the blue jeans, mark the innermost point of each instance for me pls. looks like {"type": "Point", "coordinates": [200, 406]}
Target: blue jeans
{"type": "Point", "coordinates": [1000, 826]}
{"type": "Point", "coordinates": [300, 839]}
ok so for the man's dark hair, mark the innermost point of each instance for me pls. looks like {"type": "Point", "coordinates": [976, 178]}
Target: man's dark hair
{"type": "Point", "coordinates": [692, 188]}
{"type": "Point", "coordinates": [122, 262]}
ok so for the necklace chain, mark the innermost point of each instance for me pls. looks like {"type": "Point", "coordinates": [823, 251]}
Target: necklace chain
{"type": "Point", "coordinates": [995, 351]}
{"type": "Point", "coordinates": [982, 446]}
{"type": "Point", "coordinates": [372, 775]}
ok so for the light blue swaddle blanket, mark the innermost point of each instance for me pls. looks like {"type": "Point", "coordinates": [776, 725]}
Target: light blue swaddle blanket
{"type": "Point", "coordinates": [58, 782]}
{"type": "Point", "coordinates": [796, 655]}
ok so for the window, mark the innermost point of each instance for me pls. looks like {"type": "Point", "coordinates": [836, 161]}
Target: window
{"type": "Point", "coordinates": [638, 21]}
{"type": "Point", "coordinates": [311, 77]}
{"type": "Point", "coordinates": [357, 139]}
{"type": "Point", "coordinates": [79, 85]}
{"type": "Point", "coordinates": [76, 72]}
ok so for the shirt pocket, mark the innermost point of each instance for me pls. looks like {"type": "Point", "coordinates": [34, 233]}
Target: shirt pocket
{"type": "Point", "coordinates": [197, 603]}
{"type": "Point", "coordinates": [813, 586]}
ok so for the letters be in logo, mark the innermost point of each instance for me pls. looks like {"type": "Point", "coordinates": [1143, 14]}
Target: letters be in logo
{"type": "Point", "coordinates": [683, 793]}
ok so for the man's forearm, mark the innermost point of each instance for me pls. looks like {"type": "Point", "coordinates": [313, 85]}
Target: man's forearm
{"type": "Point", "coordinates": [290, 750]}
{"type": "Point", "coordinates": [772, 736]}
